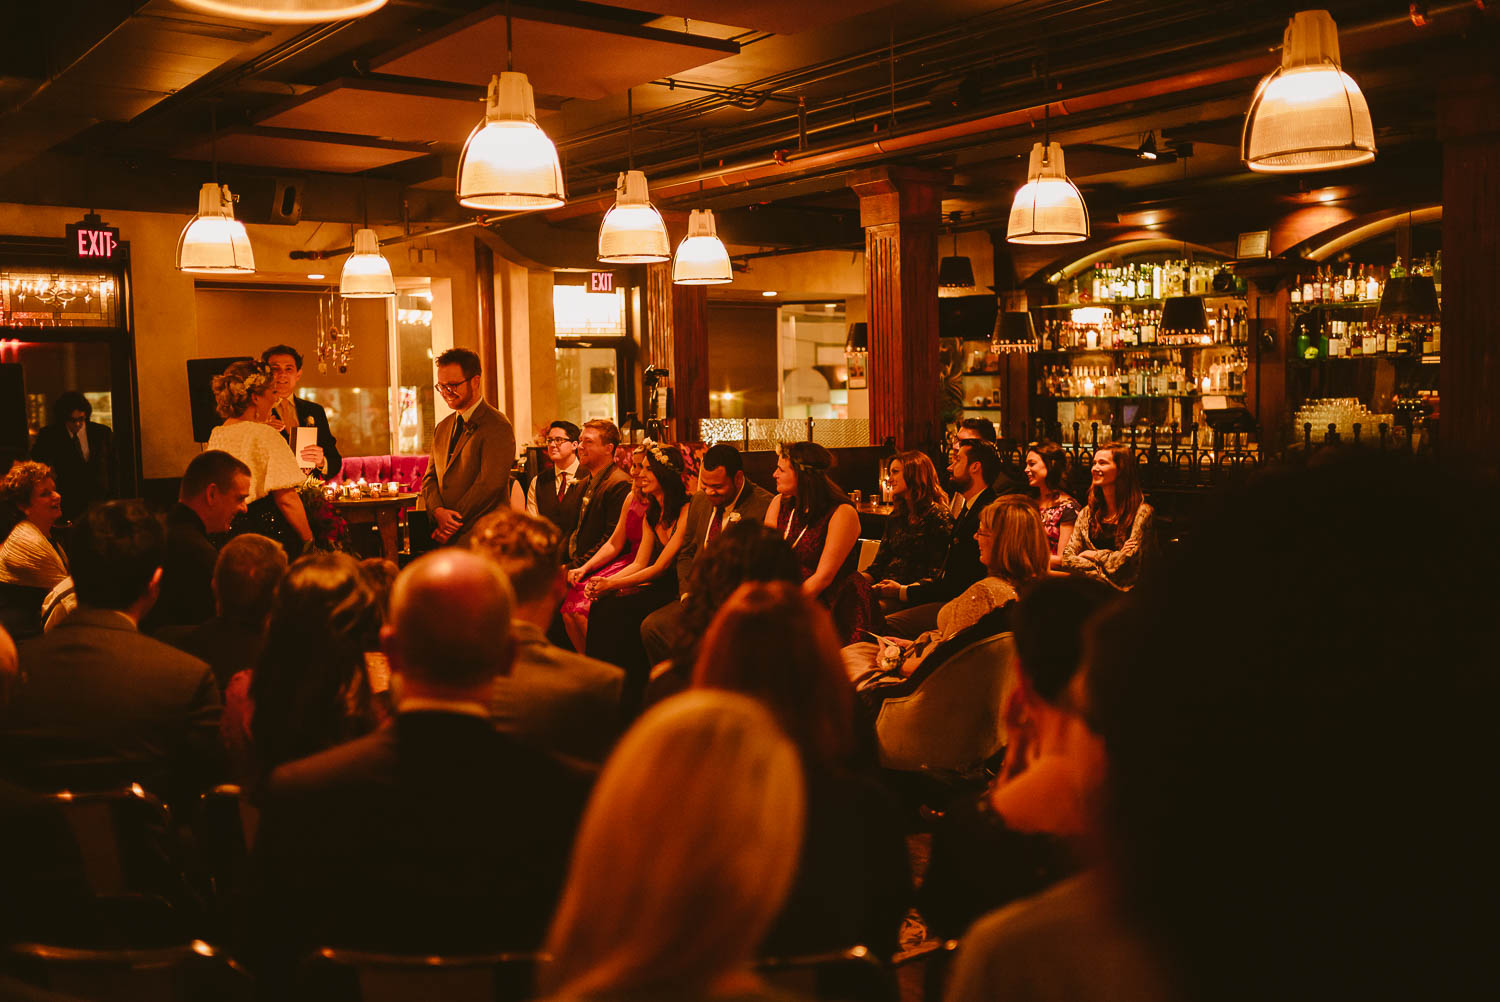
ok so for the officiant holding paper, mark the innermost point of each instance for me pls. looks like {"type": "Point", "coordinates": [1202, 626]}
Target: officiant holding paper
{"type": "Point", "coordinates": [302, 423]}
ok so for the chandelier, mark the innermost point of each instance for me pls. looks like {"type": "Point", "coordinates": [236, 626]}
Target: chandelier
{"type": "Point", "coordinates": [334, 340]}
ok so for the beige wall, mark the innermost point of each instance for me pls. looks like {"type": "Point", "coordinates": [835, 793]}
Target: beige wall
{"type": "Point", "coordinates": [244, 323]}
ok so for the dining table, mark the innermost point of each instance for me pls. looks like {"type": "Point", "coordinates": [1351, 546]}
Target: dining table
{"type": "Point", "coordinates": [380, 510]}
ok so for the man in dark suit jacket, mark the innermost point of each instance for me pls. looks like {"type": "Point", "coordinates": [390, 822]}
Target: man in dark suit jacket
{"type": "Point", "coordinates": [80, 452]}
{"type": "Point", "coordinates": [472, 452]}
{"type": "Point", "coordinates": [291, 411]}
{"type": "Point", "coordinates": [556, 493]}
{"type": "Point", "coordinates": [95, 690]}
{"type": "Point", "coordinates": [604, 493]}
{"type": "Point", "coordinates": [973, 465]}
{"type": "Point", "coordinates": [214, 489]}
{"type": "Point", "coordinates": [436, 833]}
{"type": "Point", "coordinates": [726, 496]}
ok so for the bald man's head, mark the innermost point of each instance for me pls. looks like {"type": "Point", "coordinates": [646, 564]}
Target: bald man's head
{"type": "Point", "coordinates": [450, 621]}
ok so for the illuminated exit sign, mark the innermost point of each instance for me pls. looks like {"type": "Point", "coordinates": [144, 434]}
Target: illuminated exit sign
{"type": "Point", "coordinates": [91, 240]}
{"type": "Point", "coordinates": [601, 281]}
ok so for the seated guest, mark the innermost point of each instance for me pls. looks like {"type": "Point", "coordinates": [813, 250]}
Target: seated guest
{"type": "Point", "coordinates": [1014, 551]}
{"type": "Point", "coordinates": [213, 491]}
{"type": "Point", "coordinates": [623, 600]}
{"type": "Point", "coordinates": [1292, 811]}
{"type": "Point", "coordinates": [32, 506]}
{"type": "Point", "coordinates": [243, 396]}
{"type": "Point", "coordinates": [745, 551]}
{"type": "Point", "coordinates": [308, 690]}
{"type": "Point", "coordinates": [289, 412]}
{"type": "Point", "coordinates": [1029, 828]}
{"type": "Point", "coordinates": [813, 514]}
{"type": "Point", "coordinates": [617, 553]}
{"type": "Point", "coordinates": [684, 858]}
{"type": "Point", "coordinates": [104, 691]}
{"type": "Point", "coordinates": [552, 698]}
{"type": "Point", "coordinates": [436, 833]}
{"type": "Point", "coordinates": [1113, 532]}
{"type": "Point", "coordinates": [1046, 466]}
{"type": "Point", "coordinates": [918, 529]}
{"type": "Point", "coordinates": [972, 465]}
{"type": "Point", "coordinates": [556, 492]}
{"type": "Point", "coordinates": [80, 452]}
{"type": "Point", "coordinates": [244, 583]}
{"type": "Point", "coordinates": [725, 496]}
{"type": "Point", "coordinates": [854, 884]}
{"type": "Point", "coordinates": [606, 489]}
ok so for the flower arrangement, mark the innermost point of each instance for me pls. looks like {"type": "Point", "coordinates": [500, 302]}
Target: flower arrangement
{"type": "Point", "coordinates": [330, 530]}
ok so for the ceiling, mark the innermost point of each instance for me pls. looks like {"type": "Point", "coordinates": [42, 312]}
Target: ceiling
{"type": "Point", "coordinates": [759, 108]}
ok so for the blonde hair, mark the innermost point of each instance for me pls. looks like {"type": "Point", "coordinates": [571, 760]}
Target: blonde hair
{"type": "Point", "coordinates": [234, 387]}
{"type": "Point", "coordinates": [685, 854]}
{"type": "Point", "coordinates": [21, 481]}
{"type": "Point", "coordinates": [1018, 543]}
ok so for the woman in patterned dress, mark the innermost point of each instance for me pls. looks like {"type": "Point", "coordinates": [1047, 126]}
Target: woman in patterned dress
{"type": "Point", "coordinates": [1045, 467]}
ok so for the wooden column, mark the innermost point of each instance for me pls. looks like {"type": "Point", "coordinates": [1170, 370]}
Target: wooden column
{"type": "Point", "coordinates": [899, 208]}
{"type": "Point", "coordinates": [1469, 374]}
{"type": "Point", "coordinates": [484, 289]}
{"type": "Point", "coordinates": [689, 359]}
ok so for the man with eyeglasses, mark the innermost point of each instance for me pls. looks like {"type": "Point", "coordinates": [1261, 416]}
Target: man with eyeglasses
{"type": "Point", "coordinates": [468, 474]}
{"type": "Point", "coordinates": [556, 493]}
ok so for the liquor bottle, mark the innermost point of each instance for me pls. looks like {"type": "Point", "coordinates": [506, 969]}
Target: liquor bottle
{"type": "Point", "coordinates": [1156, 281]}
{"type": "Point", "coordinates": [1436, 339]}
{"type": "Point", "coordinates": [1397, 269]}
{"type": "Point", "coordinates": [1296, 295]}
{"type": "Point", "coordinates": [1328, 294]}
{"type": "Point", "coordinates": [1437, 274]}
{"type": "Point", "coordinates": [1350, 292]}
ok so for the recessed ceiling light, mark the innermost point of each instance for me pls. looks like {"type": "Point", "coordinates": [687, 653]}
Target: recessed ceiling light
{"type": "Point", "coordinates": [769, 292]}
{"type": "Point", "coordinates": [315, 276]}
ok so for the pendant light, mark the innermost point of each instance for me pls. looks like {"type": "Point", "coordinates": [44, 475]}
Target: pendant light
{"type": "Point", "coordinates": [214, 242]}
{"type": "Point", "coordinates": [1309, 114]}
{"type": "Point", "coordinates": [1013, 332]}
{"type": "Point", "coordinates": [508, 163]}
{"type": "Point", "coordinates": [286, 11]}
{"type": "Point", "coordinates": [367, 274]}
{"type": "Point", "coordinates": [1048, 208]}
{"type": "Point", "coordinates": [701, 257]}
{"type": "Point", "coordinates": [955, 272]}
{"type": "Point", "coordinates": [633, 231]}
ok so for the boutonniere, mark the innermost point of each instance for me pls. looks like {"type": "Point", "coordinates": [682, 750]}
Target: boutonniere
{"type": "Point", "coordinates": [309, 422]}
{"type": "Point", "coordinates": [732, 518]}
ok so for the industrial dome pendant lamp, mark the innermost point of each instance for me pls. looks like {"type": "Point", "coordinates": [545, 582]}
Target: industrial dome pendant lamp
{"type": "Point", "coordinates": [367, 274]}
{"type": "Point", "coordinates": [508, 163]}
{"type": "Point", "coordinates": [633, 231]}
{"type": "Point", "coordinates": [214, 242]}
{"type": "Point", "coordinates": [702, 258]}
{"type": "Point", "coordinates": [1048, 208]}
{"type": "Point", "coordinates": [1309, 114]}
{"type": "Point", "coordinates": [286, 11]}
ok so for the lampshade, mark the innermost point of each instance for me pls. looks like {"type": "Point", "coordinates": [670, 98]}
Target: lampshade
{"type": "Point", "coordinates": [508, 163]}
{"type": "Point", "coordinates": [955, 273]}
{"type": "Point", "coordinates": [367, 274]}
{"type": "Point", "coordinates": [286, 11]}
{"type": "Point", "coordinates": [1013, 332]}
{"type": "Point", "coordinates": [1412, 296]}
{"type": "Point", "coordinates": [1048, 209]}
{"type": "Point", "coordinates": [1184, 315]}
{"type": "Point", "coordinates": [701, 257]}
{"type": "Point", "coordinates": [633, 231]}
{"type": "Point", "coordinates": [858, 339]}
{"type": "Point", "coordinates": [214, 242]}
{"type": "Point", "coordinates": [1308, 114]}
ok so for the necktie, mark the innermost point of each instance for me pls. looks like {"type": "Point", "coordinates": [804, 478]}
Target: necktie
{"type": "Point", "coordinates": [716, 524]}
{"type": "Point", "coordinates": [458, 430]}
{"type": "Point", "coordinates": [562, 483]}
{"type": "Point", "coordinates": [78, 444]}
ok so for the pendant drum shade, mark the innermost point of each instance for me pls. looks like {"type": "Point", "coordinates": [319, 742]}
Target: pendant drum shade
{"type": "Point", "coordinates": [1412, 296]}
{"type": "Point", "coordinates": [214, 242]}
{"type": "Point", "coordinates": [367, 274]}
{"type": "Point", "coordinates": [858, 339]}
{"type": "Point", "coordinates": [1308, 114]}
{"type": "Point", "coordinates": [701, 257]}
{"type": "Point", "coordinates": [286, 11]}
{"type": "Point", "coordinates": [633, 231]}
{"type": "Point", "coordinates": [508, 163]}
{"type": "Point", "coordinates": [956, 273]}
{"type": "Point", "coordinates": [1184, 315]}
{"type": "Point", "coordinates": [1048, 208]}
{"type": "Point", "coordinates": [1013, 332]}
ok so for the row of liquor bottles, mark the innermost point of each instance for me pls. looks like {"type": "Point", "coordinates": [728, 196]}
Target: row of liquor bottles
{"type": "Point", "coordinates": [1114, 283]}
{"type": "Point", "coordinates": [1358, 338]}
{"type": "Point", "coordinates": [1145, 378]}
{"type": "Point", "coordinates": [1134, 328]}
{"type": "Point", "coordinates": [1364, 283]}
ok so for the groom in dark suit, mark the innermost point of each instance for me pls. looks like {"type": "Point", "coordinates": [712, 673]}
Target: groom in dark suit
{"type": "Point", "coordinates": [472, 452]}
{"type": "Point", "coordinates": [291, 411]}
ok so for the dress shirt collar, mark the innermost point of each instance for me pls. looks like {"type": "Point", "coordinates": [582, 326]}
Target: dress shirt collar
{"type": "Point", "coordinates": [571, 470]}
{"type": "Point", "coordinates": [469, 414]}
{"type": "Point", "coordinates": [413, 704]}
{"type": "Point", "coordinates": [109, 619]}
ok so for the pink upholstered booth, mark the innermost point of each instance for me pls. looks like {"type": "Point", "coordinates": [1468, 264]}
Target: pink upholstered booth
{"type": "Point", "coordinates": [404, 470]}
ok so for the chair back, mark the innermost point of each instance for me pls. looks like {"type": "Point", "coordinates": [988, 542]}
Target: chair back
{"type": "Point", "coordinates": [188, 972]}
{"type": "Point", "coordinates": [953, 720]}
{"type": "Point", "coordinates": [339, 975]}
{"type": "Point", "coordinates": [21, 609]}
{"type": "Point", "coordinates": [852, 975]}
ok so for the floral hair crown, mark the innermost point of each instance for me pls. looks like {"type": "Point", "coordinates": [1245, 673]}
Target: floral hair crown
{"type": "Point", "coordinates": [660, 455]}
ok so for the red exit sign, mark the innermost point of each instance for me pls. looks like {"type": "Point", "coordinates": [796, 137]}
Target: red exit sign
{"type": "Point", "coordinates": [601, 281]}
{"type": "Point", "coordinates": [91, 240]}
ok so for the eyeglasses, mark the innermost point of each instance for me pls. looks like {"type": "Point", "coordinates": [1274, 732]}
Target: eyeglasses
{"type": "Point", "coordinates": [556, 440]}
{"type": "Point", "coordinates": [448, 389]}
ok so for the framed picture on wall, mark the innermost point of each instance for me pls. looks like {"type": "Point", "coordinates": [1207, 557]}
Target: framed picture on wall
{"type": "Point", "coordinates": [858, 379]}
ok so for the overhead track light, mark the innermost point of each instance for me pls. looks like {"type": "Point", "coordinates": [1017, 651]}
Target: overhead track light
{"type": "Point", "coordinates": [701, 257]}
{"type": "Point", "coordinates": [1308, 114]}
{"type": "Point", "coordinates": [286, 11]}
